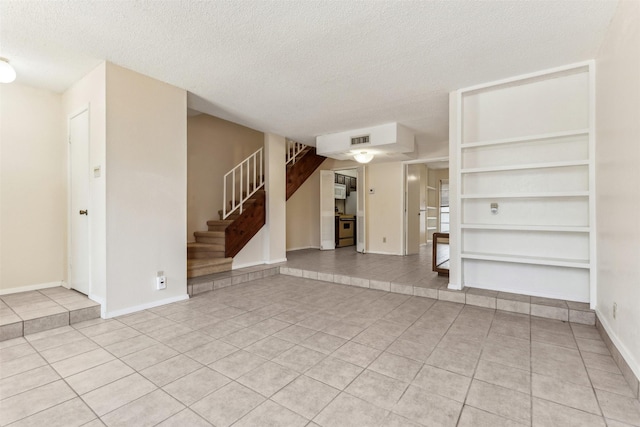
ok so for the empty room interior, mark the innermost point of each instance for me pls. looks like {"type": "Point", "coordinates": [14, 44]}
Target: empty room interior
{"type": "Point", "coordinates": [320, 213]}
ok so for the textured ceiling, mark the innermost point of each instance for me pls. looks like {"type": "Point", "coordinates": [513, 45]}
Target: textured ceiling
{"type": "Point", "coordinates": [304, 68]}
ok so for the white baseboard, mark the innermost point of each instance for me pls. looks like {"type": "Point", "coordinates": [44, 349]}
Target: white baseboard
{"type": "Point", "coordinates": [28, 288]}
{"type": "Point", "coordinates": [624, 351]}
{"type": "Point", "coordinates": [383, 253]}
{"type": "Point", "coordinates": [522, 292]}
{"type": "Point", "coordinates": [245, 265]}
{"type": "Point", "coordinates": [302, 248]}
{"type": "Point", "coordinates": [128, 310]}
{"type": "Point", "coordinates": [455, 286]}
{"type": "Point", "coordinates": [276, 261]}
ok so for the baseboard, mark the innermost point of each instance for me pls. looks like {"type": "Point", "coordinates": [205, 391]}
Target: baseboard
{"type": "Point", "coordinates": [384, 253]}
{"type": "Point", "coordinates": [129, 310]}
{"type": "Point", "coordinates": [302, 248]}
{"type": "Point", "coordinates": [28, 288]}
{"type": "Point", "coordinates": [632, 364]}
{"type": "Point", "coordinates": [246, 265]}
{"type": "Point", "coordinates": [276, 261]}
{"type": "Point", "coordinates": [516, 291]}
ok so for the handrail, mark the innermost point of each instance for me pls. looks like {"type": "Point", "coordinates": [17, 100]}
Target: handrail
{"type": "Point", "coordinates": [293, 150]}
{"type": "Point", "coordinates": [250, 179]}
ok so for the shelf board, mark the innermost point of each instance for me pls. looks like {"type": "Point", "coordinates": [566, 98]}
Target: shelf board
{"type": "Point", "coordinates": [555, 228]}
{"type": "Point", "coordinates": [544, 165]}
{"type": "Point", "coordinates": [525, 195]}
{"type": "Point", "coordinates": [432, 228]}
{"type": "Point", "coordinates": [431, 188]}
{"type": "Point", "coordinates": [555, 262]}
{"type": "Point", "coordinates": [539, 137]}
{"type": "Point", "coordinates": [431, 207]}
{"type": "Point", "coordinates": [432, 217]}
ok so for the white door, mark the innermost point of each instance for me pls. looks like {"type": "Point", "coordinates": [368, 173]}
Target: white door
{"type": "Point", "coordinates": [79, 202]}
{"type": "Point", "coordinates": [412, 209]}
{"type": "Point", "coordinates": [327, 211]}
{"type": "Point", "coordinates": [360, 210]}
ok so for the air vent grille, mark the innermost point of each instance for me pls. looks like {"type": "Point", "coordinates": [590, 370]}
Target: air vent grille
{"type": "Point", "coordinates": [357, 140]}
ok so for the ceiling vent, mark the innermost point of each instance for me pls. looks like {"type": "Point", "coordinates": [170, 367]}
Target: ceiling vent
{"type": "Point", "coordinates": [357, 140]}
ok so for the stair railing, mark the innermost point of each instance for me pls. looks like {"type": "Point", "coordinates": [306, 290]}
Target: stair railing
{"type": "Point", "coordinates": [293, 150]}
{"type": "Point", "coordinates": [242, 182]}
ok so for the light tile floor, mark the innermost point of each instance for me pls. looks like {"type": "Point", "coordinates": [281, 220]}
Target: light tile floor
{"type": "Point", "coordinates": [290, 351]}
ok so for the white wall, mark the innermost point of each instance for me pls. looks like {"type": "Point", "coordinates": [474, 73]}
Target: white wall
{"type": "Point", "coordinates": [275, 242]}
{"type": "Point", "coordinates": [33, 177]}
{"type": "Point", "coordinates": [91, 91]}
{"type": "Point", "coordinates": [617, 181]}
{"type": "Point", "coordinates": [215, 146]}
{"type": "Point", "coordinates": [146, 190]}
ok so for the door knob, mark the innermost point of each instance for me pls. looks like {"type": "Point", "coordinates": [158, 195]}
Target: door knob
{"type": "Point", "coordinates": [84, 212]}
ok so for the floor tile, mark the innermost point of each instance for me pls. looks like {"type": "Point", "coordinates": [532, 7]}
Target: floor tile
{"type": "Point", "coordinates": [149, 356]}
{"type": "Point", "coordinates": [82, 362]}
{"type": "Point", "coordinates": [428, 409]}
{"type": "Point", "coordinates": [504, 376]}
{"type": "Point", "coordinates": [547, 413]}
{"type": "Point", "coordinates": [417, 351]}
{"type": "Point", "coordinates": [397, 367]}
{"type": "Point", "coordinates": [357, 354]}
{"type": "Point", "coordinates": [28, 380]}
{"type": "Point", "coordinates": [613, 383]}
{"type": "Point", "coordinates": [444, 383]}
{"type": "Point", "coordinates": [305, 396]}
{"type": "Point", "coordinates": [349, 411]}
{"type": "Point", "coordinates": [500, 401]}
{"type": "Point", "coordinates": [66, 351]}
{"type": "Point", "coordinates": [30, 402]}
{"type": "Point", "coordinates": [395, 420]}
{"type": "Point", "coordinates": [237, 364]}
{"type": "Point", "coordinates": [228, 404]}
{"type": "Point", "coordinates": [148, 410]}
{"type": "Point", "coordinates": [170, 370]}
{"type": "Point", "coordinates": [572, 395]}
{"type": "Point", "coordinates": [21, 364]}
{"type": "Point", "coordinates": [268, 378]}
{"type": "Point", "coordinates": [210, 352]}
{"type": "Point", "coordinates": [334, 372]}
{"type": "Point", "coordinates": [71, 413]}
{"type": "Point", "coordinates": [619, 408]}
{"type": "Point", "coordinates": [454, 362]}
{"type": "Point", "coordinates": [473, 417]}
{"type": "Point", "coordinates": [91, 379]}
{"type": "Point", "coordinates": [271, 414]}
{"type": "Point", "coordinates": [118, 393]}
{"type": "Point", "coordinates": [269, 347]}
{"type": "Point", "coordinates": [299, 358]}
{"type": "Point", "coordinates": [184, 418]}
{"type": "Point", "coordinates": [193, 387]}
{"type": "Point", "coordinates": [378, 389]}
{"type": "Point", "coordinates": [132, 345]}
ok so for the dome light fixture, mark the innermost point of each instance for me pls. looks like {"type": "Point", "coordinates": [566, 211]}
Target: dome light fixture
{"type": "Point", "coordinates": [7, 73]}
{"type": "Point", "coordinates": [363, 157]}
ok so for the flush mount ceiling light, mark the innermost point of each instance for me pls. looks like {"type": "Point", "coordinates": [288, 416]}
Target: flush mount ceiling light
{"type": "Point", "coordinates": [363, 157]}
{"type": "Point", "coordinates": [7, 73]}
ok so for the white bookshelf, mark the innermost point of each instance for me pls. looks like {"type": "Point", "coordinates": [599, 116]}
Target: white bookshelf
{"type": "Point", "coordinates": [432, 205]}
{"type": "Point", "coordinates": [527, 145]}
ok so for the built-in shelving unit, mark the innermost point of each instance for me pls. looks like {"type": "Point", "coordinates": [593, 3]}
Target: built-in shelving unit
{"type": "Point", "coordinates": [525, 176]}
{"type": "Point", "coordinates": [432, 205]}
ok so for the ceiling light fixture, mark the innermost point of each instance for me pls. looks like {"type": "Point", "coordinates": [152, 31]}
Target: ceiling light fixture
{"type": "Point", "coordinates": [363, 157]}
{"type": "Point", "coordinates": [7, 73]}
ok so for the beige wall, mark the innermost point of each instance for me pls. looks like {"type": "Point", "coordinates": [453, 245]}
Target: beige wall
{"type": "Point", "coordinates": [384, 209]}
{"type": "Point", "coordinates": [215, 146]}
{"type": "Point", "coordinates": [33, 182]}
{"type": "Point", "coordinates": [146, 190]}
{"type": "Point", "coordinates": [90, 92]}
{"type": "Point", "coordinates": [303, 212]}
{"type": "Point", "coordinates": [617, 181]}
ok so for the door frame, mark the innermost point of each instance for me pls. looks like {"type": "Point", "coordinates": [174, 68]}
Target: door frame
{"type": "Point", "coordinates": [360, 187]}
{"type": "Point", "coordinates": [75, 113]}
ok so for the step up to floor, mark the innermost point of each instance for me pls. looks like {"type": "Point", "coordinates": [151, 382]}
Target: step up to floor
{"type": "Point", "coordinates": [218, 224]}
{"type": "Point", "coordinates": [204, 251]}
{"type": "Point", "coordinates": [210, 237]}
{"type": "Point", "coordinates": [202, 267]}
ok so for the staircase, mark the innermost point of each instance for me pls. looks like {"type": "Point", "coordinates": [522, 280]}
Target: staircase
{"type": "Point", "coordinates": [245, 214]}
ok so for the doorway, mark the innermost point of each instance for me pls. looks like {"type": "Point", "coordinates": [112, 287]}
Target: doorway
{"type": "Point", "coordinates": [79, 243]}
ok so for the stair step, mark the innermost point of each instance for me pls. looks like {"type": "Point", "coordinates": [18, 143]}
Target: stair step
{"type": "Point", "coordinates": [219, 224]}
{"type": "Point", "coordinates": [204, 251]}
{"type": "Point", "coordinates": [202, 267]}
{"type": "Point", "coordinates": [210, 237]}
{"type": "Point", "coordinates": [231, 217]}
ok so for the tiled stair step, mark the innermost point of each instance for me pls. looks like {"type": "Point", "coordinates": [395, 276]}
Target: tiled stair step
{"type": "Point", "coordinates": [210, 237]}
{"type": "Point", "coordinates": [202, 267]}
{"type": "Point", "coordinates": [218, 224]}
{"type": "Point", "coordinates": [204, 251]}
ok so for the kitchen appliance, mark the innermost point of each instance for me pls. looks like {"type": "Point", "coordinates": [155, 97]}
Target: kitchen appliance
{"type": "Point", "coordinates": [346, 230]}
{"type": "Point", "coordinates": [340, 191]}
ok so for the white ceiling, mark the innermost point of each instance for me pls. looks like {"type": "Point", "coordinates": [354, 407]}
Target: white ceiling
{"type": "Point", "coordinates": [304, 68]}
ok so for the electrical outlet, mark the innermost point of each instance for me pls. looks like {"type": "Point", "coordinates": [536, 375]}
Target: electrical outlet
{"type": "Point", "coordinates": [161, 281]}
{"type": "Point", "coordinates": [615, 310]}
